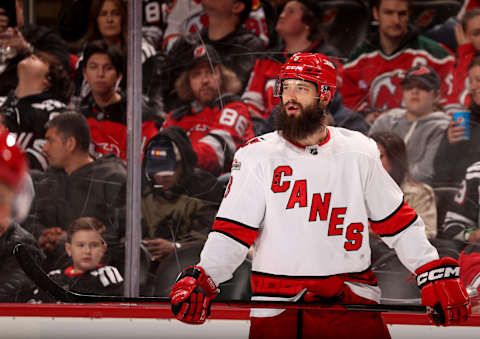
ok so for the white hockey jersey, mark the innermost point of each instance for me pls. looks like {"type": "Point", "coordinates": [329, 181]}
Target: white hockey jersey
{"type": "Point", "coordinates": [308, 211]}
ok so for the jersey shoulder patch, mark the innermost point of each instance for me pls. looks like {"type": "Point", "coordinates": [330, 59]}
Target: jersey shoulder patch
{"type": "Point", "coordinates": [252, 141]}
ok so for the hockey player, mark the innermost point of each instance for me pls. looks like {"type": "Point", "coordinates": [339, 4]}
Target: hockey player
{"type": "Point", "coordinates": [306, 195]}
{"type": "Point", "coordinates": [15, 286]}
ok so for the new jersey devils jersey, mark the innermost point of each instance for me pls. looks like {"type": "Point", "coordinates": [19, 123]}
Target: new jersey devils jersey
{"type": "Point", "coordinates": [459, 98]}
{"type": "Point", "coordinates": [308, 210]}
{"type": "Point", "coordinates": [371, 79]}
{"type": "Point", "coordinates": [215, 132]}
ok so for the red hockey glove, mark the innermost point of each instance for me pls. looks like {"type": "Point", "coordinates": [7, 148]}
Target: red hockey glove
{"type": "Point", "coordinates": [443, 292]}
{"type": "Point", "coordinates": [191, 295]}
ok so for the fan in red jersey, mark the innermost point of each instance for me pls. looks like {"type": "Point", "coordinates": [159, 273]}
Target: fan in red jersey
{"type": "Point", "coordinates": [215, 119]}
{"type": "Point", "coordinates": [306, 201]}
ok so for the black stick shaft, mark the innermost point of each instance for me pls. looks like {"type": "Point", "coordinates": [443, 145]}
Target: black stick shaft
{"type": "Point", "coordinates": [42, 280]}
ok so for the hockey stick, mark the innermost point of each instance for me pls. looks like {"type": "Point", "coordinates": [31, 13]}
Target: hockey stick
{"type": "Point", "coordinates": [42, 280]}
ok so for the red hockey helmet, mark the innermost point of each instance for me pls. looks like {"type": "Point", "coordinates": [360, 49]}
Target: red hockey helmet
{"type": "Point", "coordinates": [313, 67]}
{"type": "Point", "coordinates": [13, 164]}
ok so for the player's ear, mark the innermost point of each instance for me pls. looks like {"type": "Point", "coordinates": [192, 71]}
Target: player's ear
{"type": "Point", "coordinates": [68, 248]}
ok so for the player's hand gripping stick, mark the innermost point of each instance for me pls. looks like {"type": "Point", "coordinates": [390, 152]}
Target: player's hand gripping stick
{"type": "Point", "coordinates": [192, 294]}
{"type": "Point", "coordinates": [442, 291]}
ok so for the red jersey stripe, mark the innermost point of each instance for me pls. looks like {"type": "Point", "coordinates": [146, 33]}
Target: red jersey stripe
{"type": "Point", "coordinates": [244, 234]}
{"type": "Point", "coordinates": [396, 222]}
{"type": "Point", "coordinates": [265, 284]}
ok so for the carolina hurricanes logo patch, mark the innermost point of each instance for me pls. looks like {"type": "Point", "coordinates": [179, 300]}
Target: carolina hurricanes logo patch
{"type": "Point", "coordinates": [199, 52]}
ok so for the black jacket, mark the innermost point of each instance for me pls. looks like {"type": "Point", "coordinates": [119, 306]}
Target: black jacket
{"type": "Point", "coordinates": [26, 117]}
{"type": "Point", "coordinates": [15, 286]}
{"type": "Point", "coordinates": [104, 280]}
{"type": "Point", "coordinates": [97, 189]}
{"type": "Point", "coordinates": [452, 160]}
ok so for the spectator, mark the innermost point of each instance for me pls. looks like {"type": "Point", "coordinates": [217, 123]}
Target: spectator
{"type": "Point", "coordinates": [239, 47]}
{"type": "Point", "coordinates": [76, 185]}
{"type": "Point", "coordinates": [215, 119]}
{"type": "Point", "coordinates": [73, 26]}
{"type": "Point", "coordinates": [41, 93]}
{"type": "Point", "coordinates": [376, 67]}
{"type": "Point", "coordinates": [188, 16]}
{"type": "Point", "coordinates": [420, 196]}
{"type": "Point", "coordinates": [179, 201]}
{"type": "Point", "coordinates": [420, 124]}
{"type": "Point", "coordinates": [108, 22]}
{"type": "Point", "coordinates": [298, 27]}
{"type": "Point", "coordinates": [468, 40]}
{"type": "Point", "coordinates": [106, 106]}
{"type": "Point", "coordinates": [23, 40]}
{"type": "Point", "coordinates": [86, 273]}
{"type": "Point", "coordinates": [455, 154]}
{"type": "Point", "coordinates": [14, 284]}
{"type": "Point", "coordinates": [462, 220]}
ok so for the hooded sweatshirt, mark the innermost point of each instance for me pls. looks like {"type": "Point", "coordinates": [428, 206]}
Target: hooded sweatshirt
{"type": "Point", "coordinates": [422, 138]}
{"type": "Point", "coordinates": [185, 212]}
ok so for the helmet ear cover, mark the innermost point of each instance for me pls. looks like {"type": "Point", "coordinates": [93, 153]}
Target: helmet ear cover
{"type": "Point", "coordinates": [13, 163]}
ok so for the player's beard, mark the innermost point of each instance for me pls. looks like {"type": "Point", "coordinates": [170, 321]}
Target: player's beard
{"type": "Point", "coordinates": [296, 128]}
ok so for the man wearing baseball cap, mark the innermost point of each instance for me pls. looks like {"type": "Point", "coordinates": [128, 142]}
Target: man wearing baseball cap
{"type": "Point", "coordinates": [179, 201]}
{"type": "Point", "coordinates": [215, 118]}
{"type": "Point", "coordinates": [419, 122]}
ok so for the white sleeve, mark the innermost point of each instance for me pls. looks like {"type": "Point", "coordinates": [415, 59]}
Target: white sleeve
{"type": "Point", "coordinates": [221, 256]}
{"type": "Point", "coordinates": [238, 219]}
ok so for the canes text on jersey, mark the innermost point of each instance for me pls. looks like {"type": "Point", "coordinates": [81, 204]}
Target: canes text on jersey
{"type": "Point", "coordinates": [319, 207]}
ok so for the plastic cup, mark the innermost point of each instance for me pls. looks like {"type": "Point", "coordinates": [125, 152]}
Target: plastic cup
{"type": "Point", "coordinates": [463, 119]}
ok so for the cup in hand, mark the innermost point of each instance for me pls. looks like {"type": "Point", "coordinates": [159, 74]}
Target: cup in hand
{"type": "Point", "coordinates": [463, 119]}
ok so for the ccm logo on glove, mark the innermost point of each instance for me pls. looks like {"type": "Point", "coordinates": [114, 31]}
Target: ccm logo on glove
{"type": "Point", "coordinates": [437, 274]}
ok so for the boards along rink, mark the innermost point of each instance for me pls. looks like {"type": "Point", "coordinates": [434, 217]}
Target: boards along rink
{"type": "Point", "coordinates": [72, 321]}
